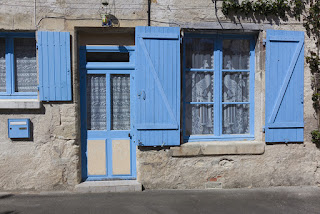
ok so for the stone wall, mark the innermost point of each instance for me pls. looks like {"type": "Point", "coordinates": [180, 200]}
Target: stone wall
{"type": "Point", "coordinates": [51, 160]}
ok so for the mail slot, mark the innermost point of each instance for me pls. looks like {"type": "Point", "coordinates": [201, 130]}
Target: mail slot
{"type": "Point", "coordinates": [19, 128]}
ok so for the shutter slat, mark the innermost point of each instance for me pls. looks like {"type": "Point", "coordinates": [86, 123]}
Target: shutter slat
{"type": "Point", "coordinates": [54, 66]}
{"type": "Point", "coordinates": [284, 86]}
{"type": "Point", "coordinates": [158, 86]}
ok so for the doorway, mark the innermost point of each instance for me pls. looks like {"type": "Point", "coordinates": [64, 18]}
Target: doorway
{"type": "Point", "coordinates": [106, 87]}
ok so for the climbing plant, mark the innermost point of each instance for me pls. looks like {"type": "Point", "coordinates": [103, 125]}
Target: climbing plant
{"type": "Point", "coordinates": [310, 11]}
{"type": "Point", "coordinates": [265, 8]}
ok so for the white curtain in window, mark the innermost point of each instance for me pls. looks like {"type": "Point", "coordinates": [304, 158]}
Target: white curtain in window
{"type": "Point", "coordinates": [199, 53]}
{"type": "Point", "coordinates": [96, 102]}
{"type": "Point", "coordinates": [199, 119]}
{"type": "Point", "coordinates": [2, 65]}
{"type": "Point", "coordinates": [235, 89]}
{"type": "Point", "coordinates": [120, 102]}
{"type": "Point", "coordinates": [236, 54]}
{"type": "Point", "coordinates": [199, 88]}
{"type": "Point", "coordinates": [25, 65]}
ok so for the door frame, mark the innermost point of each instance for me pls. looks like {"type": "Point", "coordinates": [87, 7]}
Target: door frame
{"type": "Point", "coordinates": [107, 68]}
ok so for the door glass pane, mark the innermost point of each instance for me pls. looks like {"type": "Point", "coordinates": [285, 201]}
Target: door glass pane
{"type": "Point", "coordinates": [25, 65]}
{"type": "Point", "coordinates": [199, 119]}
{"type": "Point", "coordinates": [2, 65]}
{"type": "Point", "coordinates": [235, 119]}
{"type": "Point", "coordinates": [199, 53]}
{"type": "Point", "coordinates": [96, 102]}
{"type": "Point", "coordinates": [236, 54]}
{"type": "Point", "coordinates": [107, 57]}
{"type": "Point", "coordinates": [199, 86]}
{"type": "Point", "coordinates": [120, 101]}
{"type": "Point", "coordinates": [235, 87]}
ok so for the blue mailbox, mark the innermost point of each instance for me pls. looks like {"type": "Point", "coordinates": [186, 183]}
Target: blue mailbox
{"type": "Point", "coordinates": [19, 128]}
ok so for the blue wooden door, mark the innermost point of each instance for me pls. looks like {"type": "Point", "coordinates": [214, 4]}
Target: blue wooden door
{"type": "Point", "coordinates": [106, 88]}
{"type": "Point", "coordinates": [284, 86]}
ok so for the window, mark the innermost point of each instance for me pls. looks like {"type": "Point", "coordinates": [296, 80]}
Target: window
{"type": "Point", "coordinates": [218, 87]}
{"type": "Point", "coordinates": [18, 65]}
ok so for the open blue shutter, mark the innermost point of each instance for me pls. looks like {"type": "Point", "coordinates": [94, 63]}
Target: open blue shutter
{"type": "Point", "coordinates": [54, 66]}
{"type": "Point", "coordinates": [284, 86]}
{"type": "Point", "coordinates": [157, 118]}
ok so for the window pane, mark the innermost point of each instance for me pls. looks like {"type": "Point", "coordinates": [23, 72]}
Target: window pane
{"type": "Point", "coordinates": [2, 65]}
{"type": "Point", "coordinates": [199, 119]}
{"type": "Point", "coordinates": [236, 54]}
{"type": "Point", "coordinates": [199, 53]}
{"type": "Point", "coordinates": [199, 86]}
{"type": "Point", "coordinates": [25, 65]}
{"type": "Point", "coordinates": [235, 87]}
{"type": "Point", "coordinates": [96, 102]}
{"type": "Point", "coordinates": [120, 102]}
{"type": "Point", "coordinates": [107, 57]}
{"type": "Point", "coordinates": [235, 119]}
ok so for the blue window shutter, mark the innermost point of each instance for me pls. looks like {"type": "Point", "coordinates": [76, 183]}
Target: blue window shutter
{"type": "Point", "coordinates": [54, 66]}
{"type": "Point", "coordinates": [284, 86]}
{"type": "Point", "coordinates": [157, 98]}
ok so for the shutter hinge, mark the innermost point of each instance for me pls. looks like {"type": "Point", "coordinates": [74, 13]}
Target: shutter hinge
{"type": "Point", "coordinates": [37, 46]}
{"type": "Point", "coordinates": [38, 87]}
{"type": "Point", "coordinates": [264, 129]}
{"type": "Point", "coordinates": [264, 42]}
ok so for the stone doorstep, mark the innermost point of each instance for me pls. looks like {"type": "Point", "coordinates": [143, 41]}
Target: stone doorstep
{"type": "Point", "coordinates": [109, 186]}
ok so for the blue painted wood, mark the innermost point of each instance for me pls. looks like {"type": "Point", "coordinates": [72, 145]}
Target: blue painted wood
{"type": "Point", "coordinates": [252, 85]}
{"type": "Point", "coordinates": [17, 35]}
{"type": "Point", "coordinates": [109, 65]}
{"type": "Point", "coordinates": [216, 89]}
{"type": "Point", "coordinates": [284, 86]}
{"type": "Point", "coordinates": [197, 138]}
{"type": "Point", "coordinates": [83, 112]}
{"type": "Point", "coordinates": [10, 67]}
{"type": "Point", "coordinates": [115, 48]}
{"type": "Point", "coordinates": [199, 70]}
{"type": "Point", "coordinates": [157, 86]}
{"type": "Point", "coordinates": [54, 66]}
{"type": "Point", "coordinates": [107, 135]}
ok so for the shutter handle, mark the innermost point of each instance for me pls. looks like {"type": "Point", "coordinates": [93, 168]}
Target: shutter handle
{"type": "Point", "coordinates": [301, 98]}
{"type": "Point", "coordinates": [143, 95]}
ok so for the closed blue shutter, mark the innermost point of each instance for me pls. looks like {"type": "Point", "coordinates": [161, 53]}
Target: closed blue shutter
{"type": "Point", "coordinates": [157, 86]}
{"type": "Point", "coordinates": [284, 86]}
{"type": "Point", "coordinates": [54, 66]}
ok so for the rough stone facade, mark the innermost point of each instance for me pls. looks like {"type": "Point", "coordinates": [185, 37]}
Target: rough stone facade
{"type": "Point", "coordinates": [51, 159]}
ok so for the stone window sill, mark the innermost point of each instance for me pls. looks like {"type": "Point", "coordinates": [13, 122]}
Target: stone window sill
{"type": "Point", "coordinates": [20, 104]}
{"type": "Point", "coordinates": [219, 148]}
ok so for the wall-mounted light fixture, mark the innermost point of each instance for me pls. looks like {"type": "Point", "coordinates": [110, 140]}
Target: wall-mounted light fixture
{"type": "Point", "coordinates": [106, 20]}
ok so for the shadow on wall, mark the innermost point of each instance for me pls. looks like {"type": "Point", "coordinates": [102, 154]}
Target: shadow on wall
{"type": "Point", "coordinates": [9, 212]}
{"type": "Point", "coordinates": [42, 110]}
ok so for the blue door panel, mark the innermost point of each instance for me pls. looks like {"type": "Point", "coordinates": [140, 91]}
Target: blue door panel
{"type": "Point", "coordinates": [284, 86]}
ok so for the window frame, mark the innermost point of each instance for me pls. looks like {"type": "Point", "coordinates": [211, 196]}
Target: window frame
{"type": "Point", "coordinates": [217, 88]}
{"type": "Point", "coordinates": [10, 68]}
